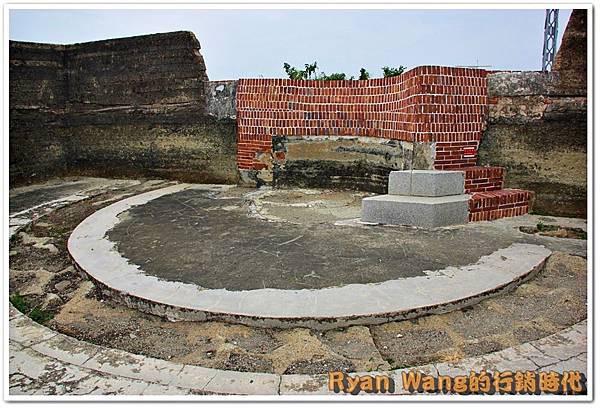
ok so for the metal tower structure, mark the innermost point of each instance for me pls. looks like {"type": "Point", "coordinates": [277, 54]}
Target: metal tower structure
{"type": "Point", "coordinates": [550, 39]}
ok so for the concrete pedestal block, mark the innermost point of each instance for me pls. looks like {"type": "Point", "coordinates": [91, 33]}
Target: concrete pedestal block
{"type": "Point", "coordinates": [426, 183]}
{"type": "Point", "coordinates": [426, 212]}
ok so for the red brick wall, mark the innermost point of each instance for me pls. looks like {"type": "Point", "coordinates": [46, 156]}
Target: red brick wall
{"type": "Point", "coordinates": [492, 205]}
{"type": "Point", "coordinates": [426, 104]}
{"type": "Point", "coordinates": [481, 179]}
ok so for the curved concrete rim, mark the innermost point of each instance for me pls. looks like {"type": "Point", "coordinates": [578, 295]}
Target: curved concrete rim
{"type": "Point", "coordinates": [438, 291]}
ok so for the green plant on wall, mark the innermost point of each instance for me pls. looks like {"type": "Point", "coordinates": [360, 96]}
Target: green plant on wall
{"type": "Point", "coordinates": [391, 72]}
{"type": "Point", "coordinates": [293, 72]}
{"type": "Point", "coordinates": [332, 77]}
{"type": "Point", "coordinates": [310, 72]}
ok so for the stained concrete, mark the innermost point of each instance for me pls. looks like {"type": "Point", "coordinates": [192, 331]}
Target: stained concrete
{"type": "Point", "coordinates": [139, 106]}
{"type": "Point", "coordinates": [23, 198]}
{"type": "Point", "coordinates": [424, 212]}
{"type": "Point", "coordinates": [193, 238]}
{"type": "Point", "coordinates": [426, 183]}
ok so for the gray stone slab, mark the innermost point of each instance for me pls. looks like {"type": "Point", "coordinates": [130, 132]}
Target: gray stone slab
{"type": "Point", "coordinates": [158, 389]}
{"type": "Point", "coordinates": [194, 377]}
{"type": "Point", "coordinates": [123, 364]}
{"type": "Point", "coordinates": [243, 383]}
{"type": "Point", "coordinates": [26, 332]}
{"type": "Point", "coordinates": [535, 355]}
{"type": "Point", "coordinates": [426, 212]}
{"type": "Point", "coordinates": [563, 345]}
{"type": "Point", "coordinates": [426, 183]}
{"type": "Point", "coordinates": [36, 366]}
{"type": "Point", "coordinates": [67, 349]}
{"type": "Point", "coordinates": [572, 364]}
{"type": "Point", "coordinates": [110, 385]}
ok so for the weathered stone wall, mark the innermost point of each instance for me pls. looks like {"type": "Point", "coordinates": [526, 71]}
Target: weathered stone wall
{"type": "Point", "coordinates": [537, 129]}
{"type": "Point", "coordinates": [133, 106]}
{"type": "Point", "coordinates": [221, 97]}
{"type": "Point", "coordinates": [571, 59]}
{"type": "Point", "coordinates": [362, 163]}
{"type": "Point", "coordinates": [37, 97]}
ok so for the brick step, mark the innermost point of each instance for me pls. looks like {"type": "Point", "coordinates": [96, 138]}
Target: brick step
{"type": "Point", "coordinates": [482, 179]}
{"type": "Point", "coordinates": [491, 205]}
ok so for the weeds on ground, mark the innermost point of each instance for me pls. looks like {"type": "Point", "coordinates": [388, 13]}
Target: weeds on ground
{"type": "Point", "coordinates": [35, 313]}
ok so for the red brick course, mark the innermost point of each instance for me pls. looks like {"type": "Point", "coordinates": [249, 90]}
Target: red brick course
{"type": "Point", "coordinates": [492, 205]}
{"type": "Point", "coordinates": [426, 104]}
{"type": "Point", "coordinates": [481, 179]}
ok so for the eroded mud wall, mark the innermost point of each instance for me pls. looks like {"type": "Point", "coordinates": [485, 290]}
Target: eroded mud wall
{"type": "Point", "coordinates": [537, 128]}
{"type": "Point", "coordinates": [133, 106]}
{"type": "Point", "coordinates": [37, 97]}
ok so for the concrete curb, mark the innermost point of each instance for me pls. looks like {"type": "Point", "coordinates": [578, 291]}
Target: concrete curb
{"type": "Point", "coordinates": [437, 292]}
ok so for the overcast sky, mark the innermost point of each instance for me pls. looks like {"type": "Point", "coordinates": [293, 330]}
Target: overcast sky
{"type": "Point", "coordinates": [255, 43]}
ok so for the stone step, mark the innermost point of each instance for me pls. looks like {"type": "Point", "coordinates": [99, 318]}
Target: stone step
{"type": "Point", "coordinates": [481, 179]}
{"type": "Point", "coordinates": [426, 212]}
{"type": "Point", "coordinates": [426, 183]}
{"type": "Point", "coordinates": [491, 205]}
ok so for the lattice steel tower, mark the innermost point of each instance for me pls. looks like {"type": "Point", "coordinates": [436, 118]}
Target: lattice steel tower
{"type": "Point", "coordinates": [550, 39]}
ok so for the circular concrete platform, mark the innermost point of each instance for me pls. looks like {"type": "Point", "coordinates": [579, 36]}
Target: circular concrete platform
{"type": "Point", "coordinates": [189, 252]}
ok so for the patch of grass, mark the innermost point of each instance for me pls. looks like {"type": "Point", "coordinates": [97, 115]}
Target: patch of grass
{"type": "Point", "coordinates": [40, 316]}
{"type": "Point", "coordinates": [19, 303]}
{"type": "Point", "coordinates": [544, 227]}
{"type": "Point", "coordinates": [36, 314]}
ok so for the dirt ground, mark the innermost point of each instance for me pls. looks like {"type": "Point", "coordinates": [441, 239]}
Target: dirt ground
{"type": "Point", "coordinates": [41, 273]}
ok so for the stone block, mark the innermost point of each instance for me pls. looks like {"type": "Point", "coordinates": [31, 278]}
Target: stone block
{"type": "Point", "coordinates": [426, 183]}
{"type": "Point", "coordinates": [426, 212]}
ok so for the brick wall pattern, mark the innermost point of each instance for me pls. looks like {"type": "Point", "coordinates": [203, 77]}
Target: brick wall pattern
{"type": "Point", "coordinates": [426, 104]}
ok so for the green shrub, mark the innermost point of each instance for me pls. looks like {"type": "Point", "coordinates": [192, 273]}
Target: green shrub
{"type": "Point", "coordinates": [336, 76]}
{"type": "Point", "coordinates": [295, 73]}
{"type": "Point", "coordinates": [310, 72]}
{"type": "Point", "coordinates": [391, 72]}
{"type": "Point", "coordinates": [545, 227]}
